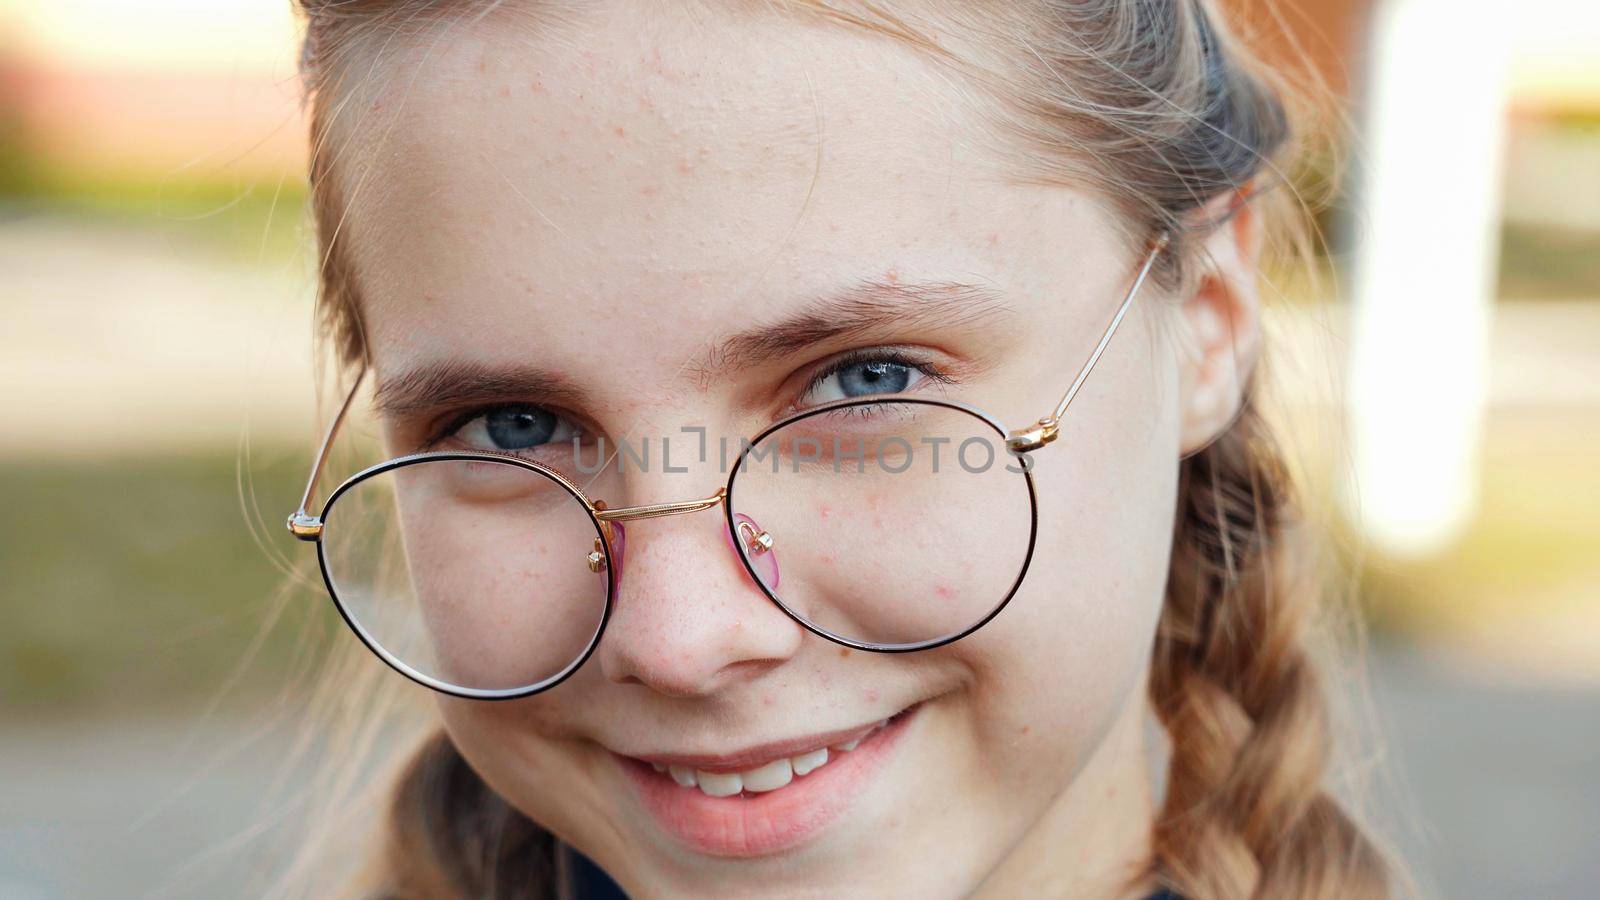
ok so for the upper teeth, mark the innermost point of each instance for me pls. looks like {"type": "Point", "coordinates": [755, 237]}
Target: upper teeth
{"type": "Point", "coordinates": [767, 777]}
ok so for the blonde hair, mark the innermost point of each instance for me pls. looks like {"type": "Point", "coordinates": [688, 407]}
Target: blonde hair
{"type": "Point", "coordinates": [1158, 107]}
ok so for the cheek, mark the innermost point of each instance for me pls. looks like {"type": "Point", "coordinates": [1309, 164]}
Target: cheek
{"type": "Point", "coordinates": [489, 586]}
{"type": "Point", "coordinates": [1064, 658]}
{"type": "Point", "coordinates": [906, 547]}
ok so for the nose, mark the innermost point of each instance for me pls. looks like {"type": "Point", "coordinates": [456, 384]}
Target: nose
{"type": "Point", "coordinates": [687, 619]}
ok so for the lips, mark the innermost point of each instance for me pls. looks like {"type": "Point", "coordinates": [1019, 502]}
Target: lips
{"type": "Point", "coordinates": [767, 798]}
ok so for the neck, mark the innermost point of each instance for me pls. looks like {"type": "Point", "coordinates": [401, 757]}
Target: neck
{"type": "Point", "coordinates": [1094, 841]}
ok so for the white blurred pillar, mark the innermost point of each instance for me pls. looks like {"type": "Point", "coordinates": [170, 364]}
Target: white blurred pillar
{"type": "Point", "coordinates": [1425, 267]}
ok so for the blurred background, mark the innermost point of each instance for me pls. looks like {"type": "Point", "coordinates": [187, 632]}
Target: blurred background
{"type": "Point", "coordinates": [1440, 390]}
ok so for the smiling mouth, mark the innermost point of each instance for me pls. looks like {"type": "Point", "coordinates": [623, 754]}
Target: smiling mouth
{"type": "Point", "coordinates": [771, 775]}
{"type": "Point", "coordinates": [769, 798]}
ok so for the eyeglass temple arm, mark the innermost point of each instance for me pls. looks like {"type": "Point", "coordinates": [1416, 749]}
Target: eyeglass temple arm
{"type": "Point", "coordinates": [1045, 430]}
{"type": "Point", "coordinates": [302, 524]}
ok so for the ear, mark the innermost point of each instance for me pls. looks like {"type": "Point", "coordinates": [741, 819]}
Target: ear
{"type": "Point", "coordinates": [1219, 322]}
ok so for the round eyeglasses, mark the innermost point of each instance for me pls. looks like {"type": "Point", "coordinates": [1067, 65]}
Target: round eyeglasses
{"type": "Point", "coordinates": [887, 524]}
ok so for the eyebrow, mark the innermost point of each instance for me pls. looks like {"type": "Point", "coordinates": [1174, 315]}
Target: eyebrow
{"type": "Point", "coordinates": [460, 382]}
{"type": "Point", "coordinates": [866, 309]}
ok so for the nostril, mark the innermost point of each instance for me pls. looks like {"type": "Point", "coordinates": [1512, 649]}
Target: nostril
{"type": "Point", "coordinates": [760, 548]}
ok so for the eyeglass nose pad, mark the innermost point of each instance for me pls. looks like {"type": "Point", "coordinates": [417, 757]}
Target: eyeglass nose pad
{"type": "Point", "coordinates": [758, 545]}
{"type": "Point", "coordinates": [597, 560]}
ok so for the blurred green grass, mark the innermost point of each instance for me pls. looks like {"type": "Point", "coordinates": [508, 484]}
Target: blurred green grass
{"type": "Point", "coordinates": [238, 218]}
{"type": "Point", "coordinates": [136, 582]}
{"type": "Point", "coordinates": [1545, 263]}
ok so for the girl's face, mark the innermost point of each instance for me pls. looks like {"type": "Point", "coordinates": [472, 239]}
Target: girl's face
{"type": "Point", "coordinates": [594, 213]}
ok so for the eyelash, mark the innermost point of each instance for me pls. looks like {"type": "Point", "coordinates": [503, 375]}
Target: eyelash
{"type": "Point", "coordinates": [874, 355]}
{"type": "Point", "coordinates": [462, 418]}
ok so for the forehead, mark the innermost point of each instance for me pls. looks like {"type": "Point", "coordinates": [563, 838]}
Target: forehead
{"type": "Point", "coordinates": [699, 166]}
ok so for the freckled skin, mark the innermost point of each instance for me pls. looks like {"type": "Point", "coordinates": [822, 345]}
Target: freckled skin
{"type": "Point", "coordinates": [614, 219]}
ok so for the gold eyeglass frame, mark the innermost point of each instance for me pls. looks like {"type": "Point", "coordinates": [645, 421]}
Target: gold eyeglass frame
{"type": "Point", "coordinates": [308, 527]}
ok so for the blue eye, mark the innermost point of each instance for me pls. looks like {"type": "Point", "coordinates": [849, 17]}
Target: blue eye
{"type": "Point", "coordinates": [879, 377]}
{"type": "Point", "coordinates": [866, 376]}
{"type": "Point", "coordinates": [519, 429]}
{"type": "Point", "coordinates": [513, 428]}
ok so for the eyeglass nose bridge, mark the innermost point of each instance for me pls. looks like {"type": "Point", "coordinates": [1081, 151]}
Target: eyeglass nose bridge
{"type": "Point", "coordinates": [656, 510]}
{"type": "Point", "coordinates": [755, 541]}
